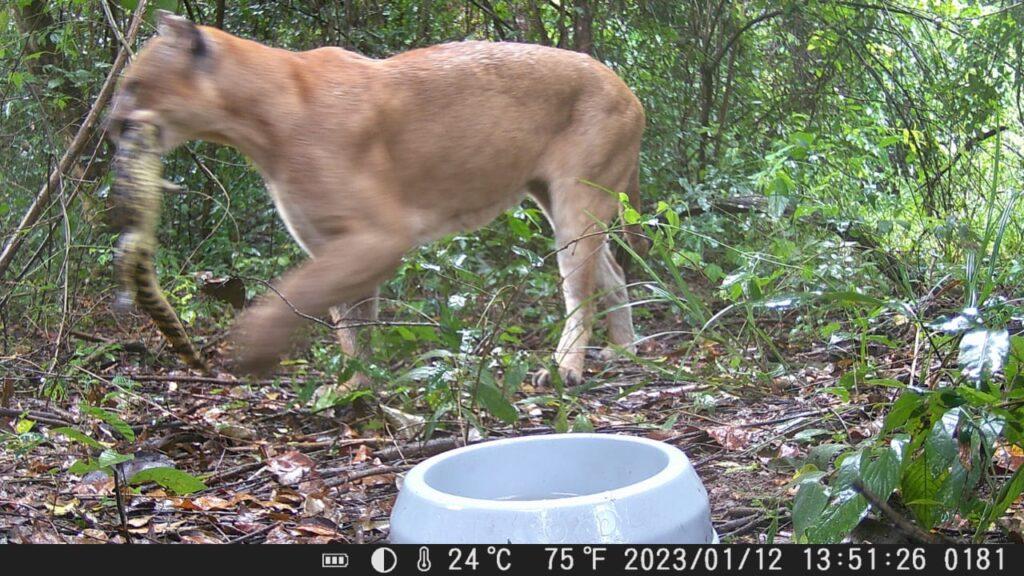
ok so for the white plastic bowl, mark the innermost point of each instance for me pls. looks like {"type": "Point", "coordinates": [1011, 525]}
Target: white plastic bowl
{"type": "Point", "coordinates": [562, 488]}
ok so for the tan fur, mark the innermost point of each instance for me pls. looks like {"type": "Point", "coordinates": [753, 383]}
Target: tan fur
{"type": "Point", "coordinates": [366, 159]}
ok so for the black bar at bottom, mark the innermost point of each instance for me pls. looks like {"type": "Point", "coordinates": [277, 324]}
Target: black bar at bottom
{"type": "Point", "coordinates": [401, 560]}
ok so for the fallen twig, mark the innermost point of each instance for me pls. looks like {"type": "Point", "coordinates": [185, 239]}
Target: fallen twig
{"type": "Point", "coordinates": [421, 449]}
{"type": "Point", "coordinates": [347, 477]}
{"type": "Point", "coordinates": [36, 416]}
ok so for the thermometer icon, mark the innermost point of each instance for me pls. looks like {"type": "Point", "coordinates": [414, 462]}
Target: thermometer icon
{"type": "Point", "coordinates": [423, 563]}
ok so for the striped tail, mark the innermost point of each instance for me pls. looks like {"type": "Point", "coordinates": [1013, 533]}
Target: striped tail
{"type": "Point", "coordinates": [137, 197]}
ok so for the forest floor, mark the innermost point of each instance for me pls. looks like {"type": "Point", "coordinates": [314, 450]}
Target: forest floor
{"type": "Point", "coordinates": [277, 473]}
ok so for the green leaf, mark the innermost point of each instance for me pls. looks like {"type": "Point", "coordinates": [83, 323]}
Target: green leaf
{"type": "Point", "coordinates": [821, 455]}
{"type": "Point", "coordinates": [983, 353]}
{"type": "Point", "coordinates": [72, 434]}
{"type": "Point", "coordinates": [976, 397]}
{"type": "Point", "coordinates": [940, 447]}
{"type": "Point", "coordinates": [515, 374]}
{"type": "Point", "coordinates": [561, 423]}
{"type": "Point", "coordinates": [1015, 365]}
{"type": "Point", "coordinates": [175, 480]}
{"type": "Point", "coordinates": [840, 517]}
{"type": "Point", "coordinates": [582, 424]}
{"type": "Point", "coordinates": [494, 401]}
{"type": "Point", "coordinates": [112, 457]}
{"type": "Point", "coordinates": [115, 421]}
{"type": "Point", "coordinates": [852, 298]}
{"type": "Point", "coordinates": [80, 468]}
{"type": "Point", "coordinates": [919, 488]}
{"type": "Point", "coordinates": [169, 5]}
{"type": "Point", "coordinates": [24, 426]}
{"type": "Point", "coordinates": [807, 508]}
{"type": "Point", "coordinates": [901, 410]}
{"type": "Point", "coordinates": [107, 459]}
{"type": "Point", "coordinates": [630, 216]}
{"type": "Point", "coordinates": [882, 473]}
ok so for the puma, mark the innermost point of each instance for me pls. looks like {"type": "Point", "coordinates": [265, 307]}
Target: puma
{"type": "Point", "coordinates": [366, 159]}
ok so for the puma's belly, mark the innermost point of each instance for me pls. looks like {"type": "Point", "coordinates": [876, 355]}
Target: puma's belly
{"type": "Point", "coordinates": [294, 219]}
{"type": "Point", "coordinates": [431, 224]}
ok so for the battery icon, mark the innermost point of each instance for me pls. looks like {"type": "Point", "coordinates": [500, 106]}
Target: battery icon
{"type": "Point", "coordinates": [334, 561]}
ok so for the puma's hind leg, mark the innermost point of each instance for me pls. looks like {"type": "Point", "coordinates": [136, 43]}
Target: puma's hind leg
{"type": "Point", "coordinates": [579, 214]}
{"type": "Point", "coordinates": [618, 315]}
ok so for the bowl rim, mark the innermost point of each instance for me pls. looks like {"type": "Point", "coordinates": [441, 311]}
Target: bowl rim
{"type": "Point", "coordinates": [676, 465]}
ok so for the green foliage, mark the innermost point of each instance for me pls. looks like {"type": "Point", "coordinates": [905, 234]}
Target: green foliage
{"type": "Point", "coordinates": [170, 478]}
{"type": "Point", "coordinates": [110, 459]}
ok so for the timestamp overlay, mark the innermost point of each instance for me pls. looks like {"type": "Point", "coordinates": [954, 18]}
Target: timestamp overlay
{"type": "Point", "coordinates": [719, 559]}
{"type": "Point", "coordinates": [618, 560]}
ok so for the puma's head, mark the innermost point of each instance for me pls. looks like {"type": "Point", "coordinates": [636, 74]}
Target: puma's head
{"type": "Point", "coordinates": [170, 84]}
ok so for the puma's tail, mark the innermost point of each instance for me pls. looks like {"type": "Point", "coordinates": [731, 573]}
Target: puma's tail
{"type": "Point", "coordinates": [635, 236]}
{"type": "Point", "coordinates": [137, 196]}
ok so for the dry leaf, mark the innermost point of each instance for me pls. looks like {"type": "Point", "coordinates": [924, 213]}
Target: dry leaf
{"type": "Point", "coordinates": [730, 437]}
{"type": "Point", "coordinates": [291, 467]}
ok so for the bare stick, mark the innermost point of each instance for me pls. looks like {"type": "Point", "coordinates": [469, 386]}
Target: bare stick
{"type": "Point", "coordinates": [82, 137]}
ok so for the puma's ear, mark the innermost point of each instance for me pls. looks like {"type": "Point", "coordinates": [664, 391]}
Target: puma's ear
{"type": "Point", "coordinates": [182, 31]}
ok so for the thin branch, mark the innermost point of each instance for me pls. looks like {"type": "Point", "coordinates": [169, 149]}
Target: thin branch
{"type": "Point", "coordinates": [717, 58]}
{"type": "Point", "coordinates": [113, 28]}
{"type": "Point", "coordinates": [333, 325]}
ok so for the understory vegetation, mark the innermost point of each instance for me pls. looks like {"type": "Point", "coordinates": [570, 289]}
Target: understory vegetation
{"type": "Point", "coordinates": [831, 313]}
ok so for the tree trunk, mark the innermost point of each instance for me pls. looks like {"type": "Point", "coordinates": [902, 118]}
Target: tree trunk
{"type": "Point", "coordinates": [219, 18]}
{"type": "Point", "coordinates": [583, 27]}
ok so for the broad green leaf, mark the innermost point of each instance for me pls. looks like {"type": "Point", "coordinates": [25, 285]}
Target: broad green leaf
{"type": "Point", "coordinates": [115, 421]}
{"type": "Point", "coordinates": [175, 480]}
{"type": "Point", "coordinates": [515, 373]}
{"type": "Point", "coordinates": [561, 423]}
{"type": "Point", "coordinates": [940, 447]}
{"type": "Point", "coordinates": [848, 470]}
{"type": "Point", "coordinates": [111, 457]}
{"type": "Point", "coordinates": [919, 489]}
{"type": "Point", "coordinates": [901, 410]}
{"type": "Point", "coordinates": [807, 508]}
{"type": "Point", "coordinates": [977, 397]}
{"type": "Point", "coordinates": [951, 490]}
{"type": "Point", "coordinates": [821, 455]}
{"type": "Point", "coordinates": [840, 517]}
{"type": "Point", "coordinates": [882, 473]}
{"type": "Point", "coordinates": [81, 468]}
{"type": "Point", "coordinates": [983, 354]}
{"type": "Point", "coordinates": [582, 424]}
{"type": "Point", "coordinates": [24, 426]}
{"type": "Point", "coordinates": [852, 297]}
{"type": "Point", "coordinates": [107, 459]}
{"type": "Point", "coordinates": [77, 436]}
{"type": "Point", "coordinates": [494, 401]}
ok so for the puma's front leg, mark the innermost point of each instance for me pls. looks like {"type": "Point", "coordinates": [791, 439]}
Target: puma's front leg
{"type": "Point", "coordinates": [349, 267]}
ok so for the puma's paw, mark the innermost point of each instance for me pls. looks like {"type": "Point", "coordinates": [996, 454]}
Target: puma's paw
{"type": "Point", "coordinates": [570, 378]}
